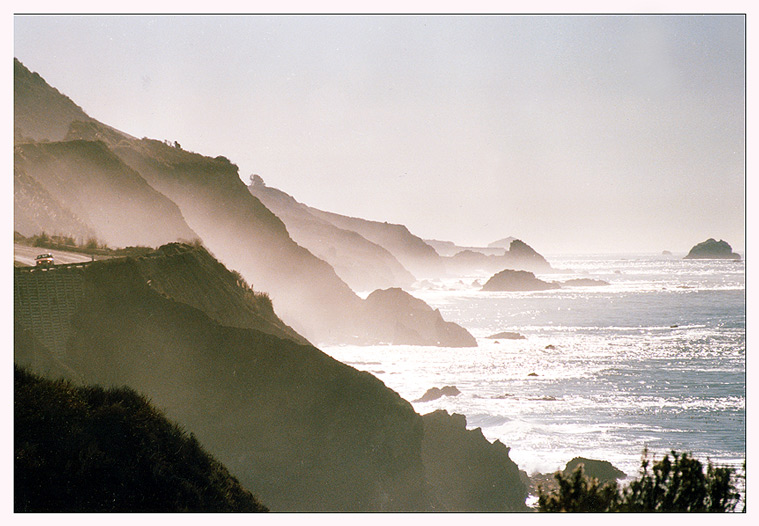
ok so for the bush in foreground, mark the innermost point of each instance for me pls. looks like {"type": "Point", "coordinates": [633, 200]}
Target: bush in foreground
{"type": "Point", "coordinates": [89, 449]}
{"type": "Point", "coordinates": [678, 484]}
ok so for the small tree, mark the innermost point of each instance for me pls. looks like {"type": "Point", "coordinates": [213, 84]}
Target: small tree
{"type": "Point", "coordinates": [42, 240]}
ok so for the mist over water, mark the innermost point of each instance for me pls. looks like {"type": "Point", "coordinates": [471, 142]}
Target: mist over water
{"type": "Point", "coordinates": [656, 359]}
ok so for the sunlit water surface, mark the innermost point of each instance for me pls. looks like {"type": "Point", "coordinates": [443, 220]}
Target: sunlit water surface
{"type": "Point", "coordinates": [656, 359]}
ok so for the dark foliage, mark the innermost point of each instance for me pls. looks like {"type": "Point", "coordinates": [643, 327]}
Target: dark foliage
{"type": "Point", "coordinates": [89, 449]}
{"type": "Point", "coordinates": [678, 484]}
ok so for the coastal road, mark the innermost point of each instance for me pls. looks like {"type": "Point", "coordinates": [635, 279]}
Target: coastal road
{"type": "Point", "coordinates": [25, 254]}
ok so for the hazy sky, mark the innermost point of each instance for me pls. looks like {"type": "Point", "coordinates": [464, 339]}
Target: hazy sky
{"type": "Point", "coordinates": [573, 133]}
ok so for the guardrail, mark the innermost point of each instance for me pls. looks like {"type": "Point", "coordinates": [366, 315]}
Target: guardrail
{"type": "Point", "coordinates": [49, 268]}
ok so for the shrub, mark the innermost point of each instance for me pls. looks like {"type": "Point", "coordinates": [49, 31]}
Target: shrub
{"type": "Point", "coordinates": [90, 449]}
{"type": "Point", "coordinates": [672, 485]}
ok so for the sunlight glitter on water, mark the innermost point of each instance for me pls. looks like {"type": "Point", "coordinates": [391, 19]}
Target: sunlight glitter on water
{"type": "Point", "coordinates": [656, 359]}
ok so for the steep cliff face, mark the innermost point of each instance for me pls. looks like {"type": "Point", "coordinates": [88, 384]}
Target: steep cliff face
{"type": "Point", "coordinates": [406, 320]}
{"type": "Point", "coordinates": [363, 265]}
{"type": "Point", "coordinates": [465, 471]}
{"type": "Point", "coordinates": [190, 275]}
{"type": "Point", "coordinates": [412, 252]}
{"type": "Point", "coordinates": [86, 179]}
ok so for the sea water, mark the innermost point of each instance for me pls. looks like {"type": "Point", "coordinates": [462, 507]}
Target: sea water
{"type": "Point", "coordinates": [656, 360]}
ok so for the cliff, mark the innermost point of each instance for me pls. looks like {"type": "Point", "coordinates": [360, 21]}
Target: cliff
{"type": "Point", "coordinates": [363, 265]}
{"type": "Point", "coordinates": [39, 110]}
{"type": "Point", "coordinates": [466, 472]}
{"type": "Point", "coordinates": [412, 252]}
{"type": "Point", "coordinates": [146, 192]}
{"type": "Point", "coordinates": [519, 256]}
{"type": "Point", "coordinates": [80, 449]}
{"type": "Point", "coordinates": [35, 210]}
{"type": "Point", "coordinates": [410, 321]}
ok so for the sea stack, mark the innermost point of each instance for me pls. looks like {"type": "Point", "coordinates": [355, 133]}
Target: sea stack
{"type": "Point", "coordinates": [711, 249]}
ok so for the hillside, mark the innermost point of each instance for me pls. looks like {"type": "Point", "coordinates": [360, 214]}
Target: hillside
{"type": "Point", "coordinates": [39, 110]}
{"type": "Point", "coordinates": [88, 188]}
{"type": "Point", "coordinates": [299, 429]}
{"type": "Point", "coordinates": [81, 449]}
{"type": "Point", "coordinates": [363, 265]}
{"type": "Point", "coordinates": [35, 210]}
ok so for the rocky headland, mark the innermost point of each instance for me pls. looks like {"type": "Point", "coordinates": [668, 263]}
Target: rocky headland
{"type": "Point", "coordinates": [519, 256]}
{"type": "Point", "coordinates": [410, 321]}
{"type": "Point", "coordinates": [466, 471]}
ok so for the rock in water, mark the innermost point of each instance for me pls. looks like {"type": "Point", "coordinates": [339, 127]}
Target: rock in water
{"type": "Point", "coordinates": [517, 280]}
{"type": "Point", "coordinates": [585, 282]}
{"type": "Point", "coordinates": [506, 336]}
{"type": "Point", "coordinates": [603, 470]}
{"type": "Point", "coordinates": [711, 249]}
{"type": "Point", "coordinates": [435, 393]}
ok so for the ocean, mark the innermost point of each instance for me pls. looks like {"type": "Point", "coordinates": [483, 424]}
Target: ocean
{"type": "Point", "coordinates": [656, 360]}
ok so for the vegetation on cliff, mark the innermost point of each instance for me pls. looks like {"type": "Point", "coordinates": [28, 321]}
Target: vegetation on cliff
{"type": "Point", "coordinates": [89, 449]}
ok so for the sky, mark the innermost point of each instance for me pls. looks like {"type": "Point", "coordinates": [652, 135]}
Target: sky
{"type": "Point", "coordinates": [598, 133]}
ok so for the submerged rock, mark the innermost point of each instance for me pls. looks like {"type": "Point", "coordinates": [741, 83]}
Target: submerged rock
{"type": "Point", "coordinates": [517, 280]}
{"type": "Point", "coordinates": [506, 336]}
{"type": "Point", "coordinates": [585, 282]}
{"type": "Point", "coordinates": [711, 249]}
